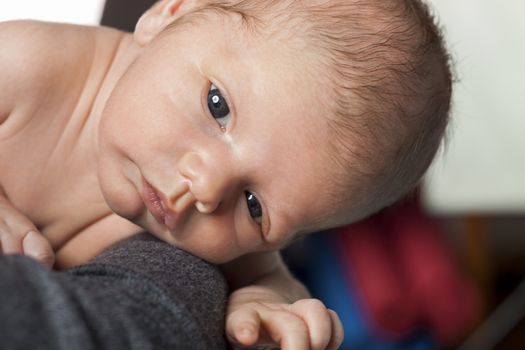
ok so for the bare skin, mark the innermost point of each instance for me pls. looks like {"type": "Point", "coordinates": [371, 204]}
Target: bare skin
{"type": "Point", "coordinates": [45, 172]}
{"type": "Point", "coordinates": [51, 184]}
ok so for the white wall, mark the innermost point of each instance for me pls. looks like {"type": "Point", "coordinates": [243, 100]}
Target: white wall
{"type": "Point", "coordinates": [74, 11]}
{"type": "Point", "coordinates": [483, 166]}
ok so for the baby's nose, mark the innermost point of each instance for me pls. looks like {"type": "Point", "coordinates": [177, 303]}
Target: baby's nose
{"type": "Point", "coordinates": [184, 198]}
{"type": "Point", "coordinates": [180, 204]}
{"type": "Point", "coordinates": [206, 208]}
{"type": "Point", "coordinates": [180, 198]}
{"type": "Point", "coordinates": [210, 180]}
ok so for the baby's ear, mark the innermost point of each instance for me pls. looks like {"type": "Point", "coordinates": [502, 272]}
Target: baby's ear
{"type": "Point", "coordinates": [154, 20]}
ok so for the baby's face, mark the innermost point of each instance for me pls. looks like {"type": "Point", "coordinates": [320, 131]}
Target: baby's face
{"type": "Point", "coordinates": [216, 142]}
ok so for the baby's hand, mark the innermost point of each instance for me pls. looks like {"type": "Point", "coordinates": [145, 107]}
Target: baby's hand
{"type": "Point", "coordinates": [18, 235]}
{"type": "Point", "coordinates": [258, 318]}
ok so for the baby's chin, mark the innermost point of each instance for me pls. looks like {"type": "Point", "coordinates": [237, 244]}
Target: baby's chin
{"type": "Point", "coordinates": [150, 225]}
{"type": "Point", "coordinates": [212, 252]}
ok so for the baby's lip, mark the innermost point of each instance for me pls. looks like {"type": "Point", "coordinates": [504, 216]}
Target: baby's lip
{"type": "Point", "coordinates": [174, 205]}
{"type": "Point", "coordinates": [153, 201]}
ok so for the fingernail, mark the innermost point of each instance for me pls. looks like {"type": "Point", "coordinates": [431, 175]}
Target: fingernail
{"type": "Point", "coordinates": [246, 331]}
{"type": "Point", "coordinates": [33, 247]}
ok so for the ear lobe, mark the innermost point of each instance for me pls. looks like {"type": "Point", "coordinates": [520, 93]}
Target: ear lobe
{"type": "Point", "coordinates": [160, 15]}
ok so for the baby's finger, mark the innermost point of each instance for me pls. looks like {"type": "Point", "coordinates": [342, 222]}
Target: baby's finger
{"type": "Point", "coordinates": [36, 246]}
{"type": "Point", "coordinates": [286, 329]}
{"type": "Point", "coordinates": [338, 333]}
{"type": "Point", "coordinates": [11, 243]}
{"type": "Point", "coordinates": [317, 318]}
{"type": "Point", "coordinates": [242, 326]}
{"type": "Point", "coordinates": [13, 228]}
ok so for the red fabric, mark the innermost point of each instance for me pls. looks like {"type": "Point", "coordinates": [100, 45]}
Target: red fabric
{"type": "Point", "coordinates": [367, 261]}
{"type": "Point", "coordinates": [405, 274]}
{"type": "Point", "coordinates": [446, 299]}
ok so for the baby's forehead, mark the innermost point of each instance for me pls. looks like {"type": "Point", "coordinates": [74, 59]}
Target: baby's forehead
{"type": "Point", "coordinates": [213, 22]}
{"type": "Point", "coordinates": [306, 201]}
{"type": "Point", "coordinates": [327, 198]}
{"type": "Point", "coordinates": [251, 29]}
{"type": "Point", "coordinates": [284, 77]}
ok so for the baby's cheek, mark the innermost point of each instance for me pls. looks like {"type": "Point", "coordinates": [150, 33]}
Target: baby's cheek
{"type": "Point", "coordinates": [210, 238]}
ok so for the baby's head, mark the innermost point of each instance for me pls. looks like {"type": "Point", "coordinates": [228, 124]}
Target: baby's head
{"type": "Point", "coordinates": [309, 115]}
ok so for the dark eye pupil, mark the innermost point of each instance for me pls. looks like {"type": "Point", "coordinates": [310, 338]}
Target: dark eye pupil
{"type": "Point", "coordinates": [217, 104]}
{"type": "Point", "coordinates": [254, 207]}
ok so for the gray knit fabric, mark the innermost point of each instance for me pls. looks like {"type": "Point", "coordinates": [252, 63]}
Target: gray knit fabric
{"type": "Point", "coordinates": [139, 294]}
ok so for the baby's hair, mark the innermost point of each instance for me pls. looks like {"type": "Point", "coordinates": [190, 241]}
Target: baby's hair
{"type": "Point", "coordinates": [389, 75]}
{"type": "Point", "coordinates": [393, 87]}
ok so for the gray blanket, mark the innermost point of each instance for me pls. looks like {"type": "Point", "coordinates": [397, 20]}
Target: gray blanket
{"type": "Point", "coordinates": [139, 294]}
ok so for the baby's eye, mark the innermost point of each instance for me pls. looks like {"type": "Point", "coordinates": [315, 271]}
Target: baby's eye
{"type": "Point", "coordinates": [254, 207]}
{"type": "Point", "coordinates": [218, 106]}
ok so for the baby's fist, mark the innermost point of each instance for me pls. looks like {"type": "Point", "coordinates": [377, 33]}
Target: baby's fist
{"type": "Point", "coordinates": [306, 324]}
{"type": "Point", "coordinates": [18, 235]}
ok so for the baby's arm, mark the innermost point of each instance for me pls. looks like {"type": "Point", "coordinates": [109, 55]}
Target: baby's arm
{"type": "Point", "coordinates": [26, 69]}
{"type": "Point", "coordinates": [18, 235]}
{"type": "Point", "coordinates": [268, 306]}
{"type": "Point", "coordinates": [21, 77]}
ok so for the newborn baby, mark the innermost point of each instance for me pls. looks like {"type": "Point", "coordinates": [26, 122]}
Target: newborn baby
{"type": "Point", "coordinates": [227, 128]}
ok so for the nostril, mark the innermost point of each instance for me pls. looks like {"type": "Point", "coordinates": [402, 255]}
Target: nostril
{"type": "Point", "coordinates": [207, 179]}
{"type": "Point", "coordinates": [178, 192]}
{"type": "Point", "coordinates": [183, 202]}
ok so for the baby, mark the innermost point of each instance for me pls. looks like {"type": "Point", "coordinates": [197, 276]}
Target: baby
{"type": "Point", "coordinates": [225, 127]}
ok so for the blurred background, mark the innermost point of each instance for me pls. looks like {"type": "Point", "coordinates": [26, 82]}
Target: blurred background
{"type": "Point", "coordinates": [444, 269]}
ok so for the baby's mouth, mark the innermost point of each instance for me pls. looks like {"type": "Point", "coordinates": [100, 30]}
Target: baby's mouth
{"type": "Point", "coordinates": [153, 202]}
{"type": "Point", "coordinates": [167, 211]}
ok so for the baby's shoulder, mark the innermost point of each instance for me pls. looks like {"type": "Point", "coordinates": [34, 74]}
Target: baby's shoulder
{"type": "Point", "coordinates": [33, 49]}
{"type": "Point", "coordinates": [37, 59]}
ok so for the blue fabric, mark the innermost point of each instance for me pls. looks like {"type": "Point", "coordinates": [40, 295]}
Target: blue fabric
{"type": "Point", "coordinates": [327, 281]}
